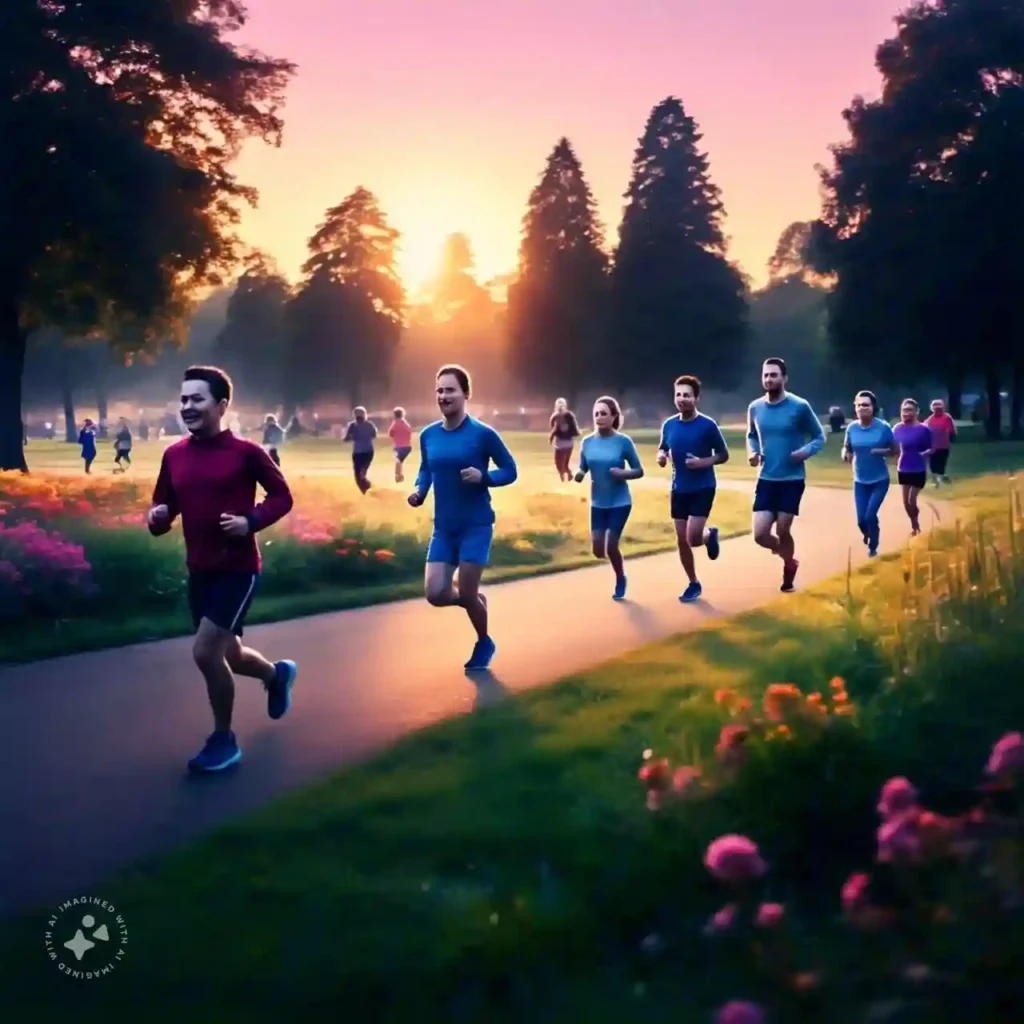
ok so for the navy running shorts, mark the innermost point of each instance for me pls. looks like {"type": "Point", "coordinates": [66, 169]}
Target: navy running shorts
{"type": "Point", "coordinates": [470, 544]}
{"type": "Point", "coordinates": [609, 520]}
{"type": "Point", "coordinates": [693, 503]}
{"type": "Point", "coordinates": [222, 597]}
{"type": "Point", "coordinates": [780, 497]}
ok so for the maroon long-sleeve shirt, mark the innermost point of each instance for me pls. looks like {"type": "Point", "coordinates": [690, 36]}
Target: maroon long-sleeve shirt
{"type": "Point", "coordinates": [200, 479]}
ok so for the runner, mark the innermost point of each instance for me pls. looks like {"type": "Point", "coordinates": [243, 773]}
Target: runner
{"type": "Point", "coordinates": [564, 431]}
{"type": "Point", "coordinates": [455, 452]}
{"type": "Point", "coordinates": [782, 434]}
{"type": "Point", "coordinates": [361, 432]}
{"type": "Point", "coordinates": [695, 444]}
{"type": "Point", "coordinates": [122, 446]}
{"type": "Point", "coordinates": [915, 441]}
{"type": "Point", "coordinates": [605, 454]}
{"type": "Point", "coordinates": [868, 443]}
{"type": "Point", "coordinates": [87, 442]}
{"type": "Point", "coordinates": [943, 428]}
{"type": "Point", "coordinates": [209, 479]}
{"type": "Point", "coordinates": [273, 438]}
{"type": "Point", "coordinates": [400, 433]}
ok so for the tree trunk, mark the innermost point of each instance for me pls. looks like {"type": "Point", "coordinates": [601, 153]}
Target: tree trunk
{"type": "Point", "coordinates": [956, 400]}
{"type": "Point", "coordinates": [101, 405]}
{"type": "Point", "coordinates": [1017, 401]}
{"type": "Point", "coordinates": [994, 417]}
{"type": "Point", "coordinates": [67, 395]}
{"type": "Point", "coordinates": [12, 366]}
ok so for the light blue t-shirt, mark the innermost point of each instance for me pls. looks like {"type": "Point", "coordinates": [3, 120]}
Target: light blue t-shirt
{"type": "Point", "coordinates": [868, 468]}
{"type": "Point", "coordinates": [700, 436]}
{"type": "Point", "coordinates": [600, 454]}
{"type": "Point", "coordinates": [443, 456]}
{"type": "Point", "coordinates": [777, 429]}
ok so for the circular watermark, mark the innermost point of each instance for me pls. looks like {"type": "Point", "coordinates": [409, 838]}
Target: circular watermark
{"type": "Point", "coordinates": [86, 937]}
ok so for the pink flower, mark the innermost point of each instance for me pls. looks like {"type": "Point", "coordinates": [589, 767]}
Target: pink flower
{"type": "Point", "coordinates": [722, 919]}
{"type": "Point", "coordinates": [770, 915]}
{"type": "Point", "coordinates": [897, 797]}
{"type": "Point", "coordinates": [898, 840]}
{"type": "Point", "coordinates": [734, 859]}
{"type": "Point", "coordinates": [1007, 757]}
{"type": "Point", "coordinates": [685, 780]}
{"type": "Point", "coordinates": [855, 891]}
{"type": "Point", "coordinates": [740, 1013]}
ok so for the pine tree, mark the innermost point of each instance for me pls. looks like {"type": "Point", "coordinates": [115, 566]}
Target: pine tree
{"type": "Point", "coordinates": [679, 305]}
{"type": "Point", "coordinates": [556, 305]}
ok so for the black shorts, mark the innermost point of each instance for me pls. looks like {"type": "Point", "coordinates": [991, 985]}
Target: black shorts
{"type": "Point", "coordinates": [222, 597]}
{"type": "Point", "coordinates": [779, 496]}
{"type": "Point", "coordinates": [361, 461]}
{"type": "Point", "coordinates": [916, 479]}
{"type": "Point", "coordinates": [937, 461]}
{"type": "Point", "coordinates": [693, 503]}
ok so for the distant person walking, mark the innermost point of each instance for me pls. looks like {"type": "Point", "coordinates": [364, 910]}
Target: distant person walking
{"type": "Point", "coordinates": [695, 444]}
{"type": "Point", "coordinates": [362, 433]}
{"type": "Point", "coordinates": [611, 459]}
{"type": "Point", "coordinates": [400, 433]}
{"type": "Point", "coordinates": [782, 434]}
{"type": "Point", "coordinates": [143, 427]}
{"type": "Point", "coordinates": [868, 443]}
{"type": "Point", "coordinates": [273, 438]}
{"type": "Point", "coordinates": [122, 446]}
{"type": "Point", "coordinates": [836, 419]}
{"type": "Point", "coordinates": [87, 443]}
{"type": "Point", "coordinates": [915, 442]}
{"type": "Point", "coordinates": [562, 437]}
{"type": "Point", "coordinates": [455, 455]}
{"type": "Point", "coordinates": [943, 428]}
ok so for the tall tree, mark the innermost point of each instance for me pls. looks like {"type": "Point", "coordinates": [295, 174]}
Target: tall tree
{"type": "Point", "coordinates": [557, 305]}
{"type": "Point", "coordinates": [119, 122]}
{"type": "Point", "coordinates": [346, 318]}
{"type": "Point", "coordinates": [253, 343]}
{"type": "Point", "coordinates": [455, 292]}
{"type": "Point", "coordinates": [792, 256]}
{"type": "Point", "coordinates": [923, 215]}
{"type": "Point", "coordinates": [679, 304]}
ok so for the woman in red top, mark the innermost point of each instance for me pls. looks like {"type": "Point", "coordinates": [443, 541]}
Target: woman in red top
{"type": "Point", "coordinates": [943, 429]}
{"type": "Point", "coordinates": [564, 431]}
{"type": "Point", "coordinates": [400, 433]}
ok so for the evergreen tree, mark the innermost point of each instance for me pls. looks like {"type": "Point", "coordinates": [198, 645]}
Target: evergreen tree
{"type": "Point", "coordinates": [346, 319]}
{"type": "Point", "coordinates": [679, 305]}
{"type": "Point", "coordinates": [556, 305]}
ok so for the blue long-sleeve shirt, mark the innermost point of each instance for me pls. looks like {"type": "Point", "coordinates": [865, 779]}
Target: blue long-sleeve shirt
{"type": "Point", "coordinates": [443, 456]}
{"type": "Point", "coordinates": [598, 456]}
{"type": "Point", "coordinates": [777, 429]}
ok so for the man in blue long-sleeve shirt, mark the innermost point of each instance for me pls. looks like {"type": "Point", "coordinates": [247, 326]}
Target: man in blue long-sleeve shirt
{"type": "Point", "coordinates": [782, 434]}
{"type": "Point", "coordinates": [454, 456]}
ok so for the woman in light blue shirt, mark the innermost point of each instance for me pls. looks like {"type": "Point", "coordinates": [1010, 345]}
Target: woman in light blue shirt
{"type": "Point", "coordinates": [611, 460]}
{"type": "Point", "coordinates": [868, 443]}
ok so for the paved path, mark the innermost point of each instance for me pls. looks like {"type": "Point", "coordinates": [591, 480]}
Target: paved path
{"type": "Point", "coordinates": [96, 742]}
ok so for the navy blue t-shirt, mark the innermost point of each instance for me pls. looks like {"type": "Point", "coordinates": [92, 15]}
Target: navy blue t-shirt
{"type": "Point", "coordinates": [681, 438]}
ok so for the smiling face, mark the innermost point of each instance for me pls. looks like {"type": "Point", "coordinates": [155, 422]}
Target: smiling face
{"type": "Point", "coordinates": [603, 417]}
{"type": "Point", "coordinates": [199, 412]}
{"type": "Point", "coordinates": [561, 406]}
{"type": "Point", "coordinates": [686, 400]}
{"type": "Point", "coordinates": [863, 407]}
{"type": "Point", "coordinates": [772, 379]}
{"type": "Point", "coordinates": [450, 397]}
{"type": "Point", "coordinates": [908, 412]}
{"type": "Point", "coordinates": [938, 407]}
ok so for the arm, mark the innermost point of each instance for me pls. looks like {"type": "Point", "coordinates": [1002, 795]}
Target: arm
{"type": "Point", "coordinates": [348, 432]}
{"type": "Point", "coordinates": [423, 478]}
{"type": "Point", "coordinates": [584, 466]}
{"type": "Point", "coordinates": [719, 447]}
{"type": "Point", "coordinates": [574, 427]}
{"type": "Point", "coordinates": [278, 501]}
{"type": "Point", "coordinates": [551, 432]}
{"type": "Point", "coordinates": [163, 494]}
{"type": "Point", "coordinates": [663, 440]}
{"type": "Point", "coordinates": [753, 441]}
{"type": "Point", "coordinates": [505, 471]}
{"type": "Point", "coordinates": [632, 458]}
{"type": "Point", "coordinates": [812, 425]}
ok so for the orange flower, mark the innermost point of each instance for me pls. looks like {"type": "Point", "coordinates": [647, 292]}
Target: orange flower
{"type": "Point", "coordinates": [383, 555]}
{"type": "Point", "coordinates": [781, 699]}
{"type": "Point", "coordinates": [724, 698]}
{"type": "Point", "coordinates": [842, 697]}
{"type": "Point", "coordinates": [341, 551]}
{"type": "Point", "coordinates": [364, 552]}
{"type": "Point", "coordinates": [837, 683]}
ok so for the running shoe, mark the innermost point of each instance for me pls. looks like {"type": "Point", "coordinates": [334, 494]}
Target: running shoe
{"type": "Point", "coordinates": [483, 652]}
{"type": "Point", "coordinates": [220, 751]}
{"type": "Point", "coordinates": [789, 575]}
{"type": "Point", "coordinates": [620, 589]}
{"type": "Point", "coordinates": [713, 546]}
{"type": "Point", "coordinates": [279, 692]}
{"type": "Point", "coordinates": [691, 593]}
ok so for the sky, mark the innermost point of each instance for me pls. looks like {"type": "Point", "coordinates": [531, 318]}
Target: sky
{"type": "Point", "coordinates": [447, 110]}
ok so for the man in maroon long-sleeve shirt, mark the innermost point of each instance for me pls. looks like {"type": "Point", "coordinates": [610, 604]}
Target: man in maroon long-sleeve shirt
{"type": "Point", "coordinates": [210, 479]}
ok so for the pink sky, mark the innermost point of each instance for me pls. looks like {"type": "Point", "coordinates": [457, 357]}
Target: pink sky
{"type": "Point", "coordinates": [447, 109]}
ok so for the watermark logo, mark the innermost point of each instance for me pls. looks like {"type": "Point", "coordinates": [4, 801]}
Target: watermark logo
{"type": "Point", "coordinates": [86, 937]}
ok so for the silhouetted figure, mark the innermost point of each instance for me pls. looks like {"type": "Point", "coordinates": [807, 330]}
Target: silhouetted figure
{"type": "Point", "coordinates": [87, 441]}
{"type": "Point", "coordinates": [273, 438]}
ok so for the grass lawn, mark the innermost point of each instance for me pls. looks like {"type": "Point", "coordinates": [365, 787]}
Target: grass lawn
{"type": "Point", "coordinates": [502, 867]}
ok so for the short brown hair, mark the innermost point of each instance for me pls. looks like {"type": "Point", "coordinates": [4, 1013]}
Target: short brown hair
{"type": "Point", "coordinates": [691, 381]}
{"type": "Point", "coordinates": [613, 408]}
{"type": "Point", "coordinates": [461, 374]}
{"type": "Point", "coordinates": [216, 379]}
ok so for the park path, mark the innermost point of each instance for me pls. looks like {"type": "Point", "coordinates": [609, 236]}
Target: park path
{"type": "Point", "coordinates": [97, 742]}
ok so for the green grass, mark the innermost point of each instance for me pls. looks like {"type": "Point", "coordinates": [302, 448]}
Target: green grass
{"type": "Point", "coordinates": [501, 867]}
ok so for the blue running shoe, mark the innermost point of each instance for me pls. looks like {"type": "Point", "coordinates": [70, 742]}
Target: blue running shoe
{"type": "Point", "coordinates": [483, 652]}
{"type": "Point", "coordinates": [279, 692]}
{"type": "Point", "coordinates": [220, 751]}
{"type": "Point", "coordinates": [872, 552]}
{"type": "Point", "coordinates": [620, 589]}
{"type": "Point", "coordinates": [713, 546]}
{"type": "Point", "coordinates": [691, 593]}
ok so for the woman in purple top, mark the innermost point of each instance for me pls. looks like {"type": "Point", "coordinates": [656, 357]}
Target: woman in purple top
{"type": "Point", "coordinates": [915, 441]}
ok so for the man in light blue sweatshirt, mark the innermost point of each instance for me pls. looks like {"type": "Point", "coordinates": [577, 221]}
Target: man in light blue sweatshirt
{"type": "Point", "coordinates": [455, 453]}
{"type": "Point", "coordinates": [782, 434]}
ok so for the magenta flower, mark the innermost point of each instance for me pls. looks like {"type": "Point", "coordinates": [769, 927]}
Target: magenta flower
{"type": "Point", "coordinates": [897, 797]}
{"type": "Point", "coordinates": [855, 891]}
{"type": "Point", "coordinates": [740, 1013]}
{"type": "Point", "coordinates": [1007, 757]}
{"type": "Point", "coordinates": [722, 919]}
{"type": "Point", "coordinates": [734, 859]}
{"type": "Point", "coordinates": [770, 915]}
{"type": "Point", "coordinates": [898, 840]}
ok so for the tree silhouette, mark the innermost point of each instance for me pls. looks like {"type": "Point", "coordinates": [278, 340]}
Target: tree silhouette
{"type": "Point", "coordinates": [792, 255]}
{"type": "Point", "coordinates": [346, 319]}
{"type": "Point", "coordinates": [455, 291]}
{"type": "Point", "coordinates": [556, 306]}
{"type": "Point", "coordinates": [923, 215]}
{"type": "Point", "coordinates": [678, 304]}
{"type": "Point", "coordinates": [118, 125]}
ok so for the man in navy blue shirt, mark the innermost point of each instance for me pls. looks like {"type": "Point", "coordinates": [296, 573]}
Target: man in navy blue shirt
{"type": "Point", "coordinates": [695, 445]}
